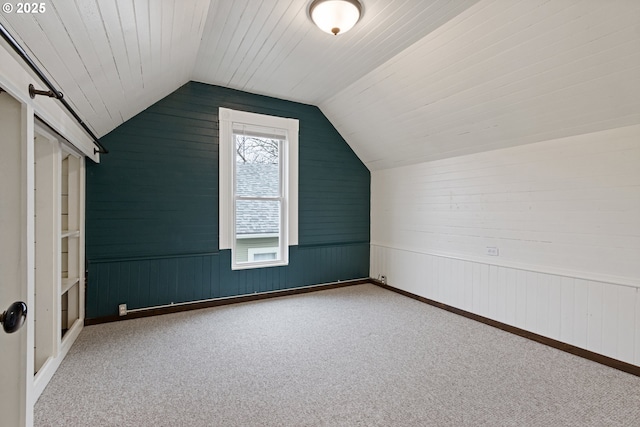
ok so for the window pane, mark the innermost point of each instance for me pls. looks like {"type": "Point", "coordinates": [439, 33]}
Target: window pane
{"type": "Point", "coordinates": [257, 226]}
{"type": "Point", "coordinates": [269, 256]}
{"type": "Point", "coordinates": [257, 166]}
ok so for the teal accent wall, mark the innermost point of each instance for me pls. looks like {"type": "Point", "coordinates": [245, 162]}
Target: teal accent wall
{"type": "Point", "coordinates": [152, 206]}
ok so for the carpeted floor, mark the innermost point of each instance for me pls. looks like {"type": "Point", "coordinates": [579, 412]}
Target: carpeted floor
{"type": "Point", "coordinates": [355, 356]}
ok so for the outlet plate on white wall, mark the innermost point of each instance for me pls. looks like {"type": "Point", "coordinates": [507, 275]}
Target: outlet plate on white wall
{"type": "Point", "coordinates": [492, 251]}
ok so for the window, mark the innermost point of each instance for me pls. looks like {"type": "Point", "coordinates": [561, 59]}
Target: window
{"type": "Point", "coordinates": [258, 188]}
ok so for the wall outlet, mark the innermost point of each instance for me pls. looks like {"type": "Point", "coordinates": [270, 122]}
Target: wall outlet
{"type": "Point", "coordinates": [383, 279]}
{"type": "Point", "coordinates": [492, 251]}
{"type": "Point", "coordinates": [122, 310]}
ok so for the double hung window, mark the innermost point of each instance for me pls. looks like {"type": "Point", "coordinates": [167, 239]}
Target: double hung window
{"type": "Point", "coordinates": [258, 188]}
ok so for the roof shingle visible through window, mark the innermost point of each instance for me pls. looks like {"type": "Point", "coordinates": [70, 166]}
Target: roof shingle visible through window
{"type": "Point", "coordinates": [257, 216]}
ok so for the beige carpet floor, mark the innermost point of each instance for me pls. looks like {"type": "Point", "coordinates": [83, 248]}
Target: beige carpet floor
{"type": "Point", "coordinates": [355, 356]}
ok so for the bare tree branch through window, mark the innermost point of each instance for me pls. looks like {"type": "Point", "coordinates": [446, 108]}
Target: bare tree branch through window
{"type": "Point", "coordinates": [256, 150]}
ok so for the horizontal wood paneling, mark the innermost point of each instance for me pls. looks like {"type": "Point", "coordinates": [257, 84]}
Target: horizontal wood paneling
{"type": "Point", "coordinates": [156, 196]}
{"type": "Point", "coordinates": [596, 316]}
{"type": "Point", "coordinates": [158, 281]}
{"type": "Point", "coordinates": [565, 216]}
{"type": "Point", "coordinates": [571, 204]}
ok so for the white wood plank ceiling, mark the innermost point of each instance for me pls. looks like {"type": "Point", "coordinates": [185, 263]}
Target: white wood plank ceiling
{"type": "Point", "coordinates": [272, 47]}
{"type": "Point", "coordinates": [112, 59]}
{"type": "Point", "coordinates": [502, 73]}
{"type": "Point", "coordinates": [414, 80]}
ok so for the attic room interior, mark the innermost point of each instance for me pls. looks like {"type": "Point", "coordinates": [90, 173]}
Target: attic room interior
{"type": "Point", "coordinates": [275, 212]}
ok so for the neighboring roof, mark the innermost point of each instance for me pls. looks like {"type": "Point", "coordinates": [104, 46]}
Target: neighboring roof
{"type": "Point", "coordinates": [257, 216]}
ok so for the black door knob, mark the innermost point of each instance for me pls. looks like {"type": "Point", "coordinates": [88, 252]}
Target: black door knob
{"type": "Point", "coordinates": [14, 317]}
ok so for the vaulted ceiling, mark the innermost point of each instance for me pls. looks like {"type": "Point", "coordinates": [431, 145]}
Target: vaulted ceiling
{"type": "Point", "coordinates": [415, 80]}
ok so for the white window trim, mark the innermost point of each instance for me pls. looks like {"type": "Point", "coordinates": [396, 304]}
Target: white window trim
{"type": "Point", "coordinates": [289, 231]}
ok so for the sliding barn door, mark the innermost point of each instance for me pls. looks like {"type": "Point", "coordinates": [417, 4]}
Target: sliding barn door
{"type": "Point", "coordinates": [16, 274]}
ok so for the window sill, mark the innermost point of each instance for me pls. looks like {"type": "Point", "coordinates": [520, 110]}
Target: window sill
{"type": "Point", "coordinates": [253, 265]}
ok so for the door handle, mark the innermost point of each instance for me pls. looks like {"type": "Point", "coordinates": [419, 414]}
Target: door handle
{"type": "Point", "coordinates": [14, 317]}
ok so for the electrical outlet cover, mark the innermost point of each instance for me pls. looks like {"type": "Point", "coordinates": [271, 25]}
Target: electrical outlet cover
{"type": "Point", "coordinates": [492, 251]}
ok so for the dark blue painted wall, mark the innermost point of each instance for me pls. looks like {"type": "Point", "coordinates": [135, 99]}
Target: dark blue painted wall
{"type": "Point", "coordinates": [152, 206]}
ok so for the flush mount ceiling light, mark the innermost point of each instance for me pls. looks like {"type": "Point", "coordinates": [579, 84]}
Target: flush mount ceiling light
{"type": "Point", "coordinates": [335, 16]}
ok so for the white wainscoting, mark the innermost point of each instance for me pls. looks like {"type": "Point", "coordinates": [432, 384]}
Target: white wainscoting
{"type": "Point", "coordinates": [597, 316]}
{"type": "Point", "coordinates": [564, 215]}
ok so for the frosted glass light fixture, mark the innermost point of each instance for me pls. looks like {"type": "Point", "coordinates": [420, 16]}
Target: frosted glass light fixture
{"type": "Point", "coordinates": [335, 16]}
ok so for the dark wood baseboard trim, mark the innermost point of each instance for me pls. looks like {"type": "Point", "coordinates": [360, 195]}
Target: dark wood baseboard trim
{"type": "Point", "coordinates": [196, 305]}
{"type": "Point", "coordinates": [577, 351]}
